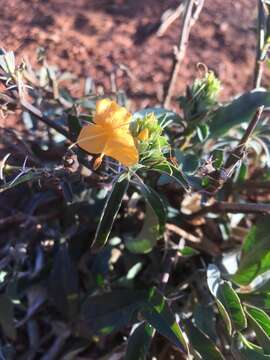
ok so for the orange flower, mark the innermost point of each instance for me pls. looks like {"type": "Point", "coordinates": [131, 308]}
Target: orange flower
{"type": "Point", "coordinates": [109, 135]}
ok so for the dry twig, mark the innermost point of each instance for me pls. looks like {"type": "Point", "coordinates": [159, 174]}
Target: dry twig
{"type": "Point", "coordinates": [192, 11]}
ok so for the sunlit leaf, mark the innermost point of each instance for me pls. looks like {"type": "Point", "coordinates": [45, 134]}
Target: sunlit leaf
{"type": "Point", "coordinates": [260, 323]}
{"type": "Point", "coordinates": [255, 257]}
{"type": "Point", "coordinates": [110, 212]}
{"type": "Point", "coordinates": [159, 315]}
{"type": "Point", "coordinates": [239, 111]}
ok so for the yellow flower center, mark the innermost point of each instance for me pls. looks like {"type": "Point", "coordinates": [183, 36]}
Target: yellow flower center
{"type": "Point", "coordinates": [143, 135]}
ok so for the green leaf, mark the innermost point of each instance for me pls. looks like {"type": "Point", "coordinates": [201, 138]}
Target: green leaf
{"type": "Point", "coordinates": [160, 113]}
{"type": "Point", "coordinates": [261, 300]}
{"type": "Point", "coordinates": [173, 174]}
{"type": "Point", "coordinates": [239, 111]}
{"type": "Point", "coordinates": [144, 242]}
{"type": "Point", "coordinates": [73, 124]}
{"type": "Point", "coordinates": [205, 320]}
{"type": "Point", "coordinates": [110, 211]}
{"type": "Point", "coordinates": [63, 284]}
{"type": "Point", "coordinates": [260, 322]}
{"type": "Point", "coordinates": [202, 343]}
{"type": "Point", "coordinates": [139, 342]}
{"type": "Point", "coordinates": [242, 349]}
{"type": "Point", "coordinates": [25, 177]}
{"type": "Point", "coordinates": [202, 132]}
{"type": "Point", "coordinates": [103, 314]}
{"type": "Point", "coordinates": [227, 300]}
{"type": "Point", "coordinates": [154, 223]}
{"type": "Point", "coordinates": [232, 304]}
{"type": "Point", "coordinates": [188, 161]}
{"type": "Point", "coordinates": [159, 315]}
{"type": "Point", "coordinates": [188, 251]}
{"type": "Point", "coordinates": [157, 204]}
{"type": "Point", "coordinates": [255, 258]}
{"type": "Point", "coordinates": [7, 317]}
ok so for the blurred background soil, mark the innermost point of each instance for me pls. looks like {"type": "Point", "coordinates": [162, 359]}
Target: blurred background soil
{"type": "Point", "coordinates": [98, 37]}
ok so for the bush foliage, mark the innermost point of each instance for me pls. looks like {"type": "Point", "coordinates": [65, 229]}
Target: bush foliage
{"type": "Point", "coordinates": [167, 255]}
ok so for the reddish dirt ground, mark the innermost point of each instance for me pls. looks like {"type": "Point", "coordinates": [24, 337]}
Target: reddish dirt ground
{"type": "Point", "coordinates": [90, 37]}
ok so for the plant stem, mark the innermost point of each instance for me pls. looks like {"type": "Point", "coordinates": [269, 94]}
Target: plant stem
{"type": "Point", "coordinates": [189, 20]}
{"type": "Point", "coordinates": [238, 152]}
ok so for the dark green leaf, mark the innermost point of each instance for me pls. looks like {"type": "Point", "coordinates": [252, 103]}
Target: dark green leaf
{"type": "Point", "coordinates": [156, 203]}
{"type": "Point", "coordinates": [139, 342]}
{"type": "Point", "coordinates": [255, 258]}
{"type": "Point", "coordinates": [205, 320]}
{"type": "Point", "coordinates": [63, 283]}
{"type": "Point", "coordinates": [261, 300]}
{"type": "Point", "coordinates": [103, 314]}
{"type": "Point", "coordinates": [202, 343]}
{"type": "Point", "coordinates": [239, 111]}
{"type": "Point", "coordinates": [173, 174]}
{"type": "Point", "coordinates": [159, 315]}
{"type": "Point", "coordinates": [154, 223]}
{"type": "Point", "coordinates": [110, 212]}
{"type": "Point", "coordinates": [187, 161]}
{"type": "Point", "coordinates": [7, 317]}
{"type": "Point", "coordinates": [73, 124]}
{"type": "Point", "coordinates": [144, 242]}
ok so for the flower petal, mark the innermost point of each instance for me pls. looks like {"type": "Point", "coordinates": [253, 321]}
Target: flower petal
{"type": "Point", "coordinates": [121, 118]}
{"type": "Point", "coordinates": [121, 147]}
{"type": "Point", "coordinates": [110, 114]}
{"type": "Point", "coordinates": [104, 110]}
{"type": "Point", "coordinates": [93, 138]}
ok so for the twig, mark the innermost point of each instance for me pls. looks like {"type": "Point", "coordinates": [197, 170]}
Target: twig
{"type": "Point", "coordinates": [168, 264]}
{"type": "Point", "coordinates": [239, 150]}
{"type": "Point", "coordinates": [252, 184]}
{"type": "Point", "coordinates": [202, 244]}
{"type": "Point", "coordinates": [182, 233]}
{"type": "Point", "coordinates": [234, 208]}
{"type": "Point", "coordinates": [189, 20]}
{"type": "Point", "coordinates": [36, 112]}
{"type": "Point", "coordinates": [219, 177]}
{"type": "Point", "coordinates": [168, 18]}
{"type": "Point", "coordinates": [261, 46]}
{"type": "Point", "coordinates": [13, 220]}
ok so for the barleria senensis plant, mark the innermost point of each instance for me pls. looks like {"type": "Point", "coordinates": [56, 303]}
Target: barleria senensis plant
{"type": "Point", "coordinates": [134, 235]}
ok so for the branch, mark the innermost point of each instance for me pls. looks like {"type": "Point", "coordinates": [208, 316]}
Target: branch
{"type": "Point", "coordinates": [36, 112]}
{"type": "Point", "coordinates": [239, 150]}
{"type": "Point", "coordinates": [189, 20]}
{"type": "Point", "coordinates": [219, 177]}
{"type": "Point", "coordinates": [234, 208]}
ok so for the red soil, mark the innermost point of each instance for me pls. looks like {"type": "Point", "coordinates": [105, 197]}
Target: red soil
{"type": "Point", "coordinates": [92, 37]}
